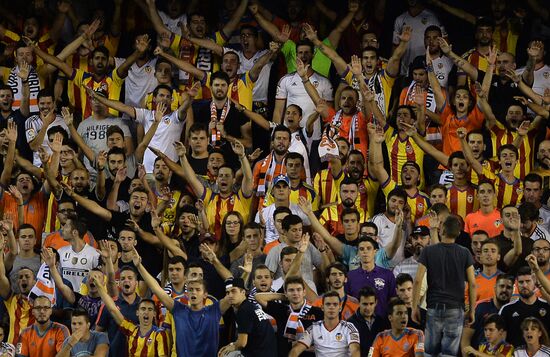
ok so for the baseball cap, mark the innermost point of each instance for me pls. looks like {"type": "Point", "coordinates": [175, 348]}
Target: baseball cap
{"type": "Point", "coordinates": [420, 231]}
{"type": "Point", "coordinates": [281, 178]}
{"type": "Point", "coordinates": [234, 283]}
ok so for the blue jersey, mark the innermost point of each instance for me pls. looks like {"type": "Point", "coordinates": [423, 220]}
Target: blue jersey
{"type": "Point", "coordinates": [197, 331]}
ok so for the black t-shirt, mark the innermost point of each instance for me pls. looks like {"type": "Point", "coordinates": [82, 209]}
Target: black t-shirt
{"type": "Point", "coordinates": [367, 333]}
{"type": "Point", "coordinates": [232, 123]}
{"type": "Point", "coordinates": [500, 95]}
{"type": "Point", "coordinates": [151, 257]}
{"type": "Point", "coordinates": [261, 338]}
{"type": "Point", "coordinates": [191, 246]}
{"type": "Point", "coordinates": [446, 265]}
{"type": "Point", "coordinates": [515, 312]}
{"type": "Point", "coordinates": [214, 283]}
{"type": "Point", "coordinates": [123, 194]}
{"type": "Point", "coordinates": [506, 245]}
{"type": "Point", "coordinates": [95, 224]}
{"type": "Point", "coordinates": [21, 144]}
{"type": "Point", "coordinates": [198, 165]}
{"type": "Point", "coordinates": [281, 312]}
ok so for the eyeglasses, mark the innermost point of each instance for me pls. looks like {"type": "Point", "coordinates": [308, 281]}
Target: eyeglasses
{"type": "Point", "coordinates": [41, 308]}
{"type": "Point", "coordinates": [539, 250]}
{"type": "Point", "coordinates": [232, 223]}
{"type": "Point", "coordinates": [66, 211]}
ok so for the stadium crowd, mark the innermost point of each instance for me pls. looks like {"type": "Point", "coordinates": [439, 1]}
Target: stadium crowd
{"type": "Point", "coordinates": [258, 178]}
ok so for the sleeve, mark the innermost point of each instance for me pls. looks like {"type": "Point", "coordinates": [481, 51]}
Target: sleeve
{"type": "Point", "coordinates": [422, 259]}
{"type": "Point", "coordinates": [161, 339]}
{"type": "Point", "coordinates": [125, 129]}
{"type": "Point", "coordinates": [78, 77]}
{"type": "Point", "coordinates": [381, 258]}
{"type": "Point", "coordinates": [245, 319]}
{"type": "Point", "coordinates": [326, 93]}
{"type": "Point", "coordinates": [31, 130]}
{"type": "Point", "coordinates": [22, 347]}
{"type": "Point", "coordinates": [281, 89]}
{"type": "Point", "coordinates": [347, 253]}
{"type": "Point", "coordinates": [62, 335]}
{"type": "Point", "coordinates": [489, 174]}
{"type": "Point", "coordinates": [116, 78]}
{"type": "Point", "coordinates": [316, 258]}
{"type": "Point", "coordinates": [353, 334]}
{"type": "Point", "coordinates": [220, 38]}
{"type": "Point", "coordinates": [141, 116]}
{"type": "Point", "coordinates": [175, 43]}
{"type": "Point", "coordinates": [376, 346]}
{"type": "Point", "coordinates": [102, 339]}
{"type": "Point", "coordinates": [289, 53]}
{"type": "Point", "coordinates": [127, 327]}
{"type": "Point", "coordinates": [419, 346]}
{"type": "Point", "coordinates": [103, 317]}
{"type": "Point", "coordinates": [272, 260]}
{"type": "Point", "coordinates": [307, 337]}
{"type": "Point", "coordinates": [388, 186]}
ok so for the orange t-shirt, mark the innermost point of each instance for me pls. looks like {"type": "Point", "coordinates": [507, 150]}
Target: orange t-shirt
{"type": "Point", "coordinates": [490, 223]}
{"type": "Point", "coordinates": [270, 246]}
{"type": "Point", "coordinates": [450, 123]}
{"type": "Point", "coordinates": [34, 209]}
{"type": "Point", "coordinates": [56, 241]}
{"type": "Point", "coordinates": [360, 134]}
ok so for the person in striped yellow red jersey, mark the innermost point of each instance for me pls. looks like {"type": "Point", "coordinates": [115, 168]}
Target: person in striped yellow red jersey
{"type": "Point", "coordinates": [17, 305]}
{"type": "Point", "coordinates": [144, 339]}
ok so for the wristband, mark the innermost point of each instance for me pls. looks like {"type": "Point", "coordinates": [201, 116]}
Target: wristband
{"type": "Point", "coordinates": [305, 80]}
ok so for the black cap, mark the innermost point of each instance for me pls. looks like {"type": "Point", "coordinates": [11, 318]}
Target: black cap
{"type": "Point", "coordinates": [234, 283]}
{"type": "Point", "coordinates": [420, 231]}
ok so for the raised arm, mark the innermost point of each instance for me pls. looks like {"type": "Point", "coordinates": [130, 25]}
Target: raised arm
{"type": "Point", "coordinates": [24, 71]}
{"type": "Point", "coordinates": [69, 121]}
{"type": "Point", "coordinates": [460, 13]}
{"type": "Point", "coordinates": [334, 244]}
{"type": "Point", "coordinates": [107, 300]}
{"type": "Point", "coordinates": [513, 255]}
{"type": "Point", "coordinates": [11, 134]}
{"type": "Point", "coordinates": [54, 61]}
{"type": "Point", "coordinates": [115, 104]}
{"type": "Point", "coordinates": [467, 150]}
{"type": "Point", "coordinates": [264, 298]}
{"type": "Point", "coordinates": [302, 70]}
{"type": "Point", "coordinates": [339, 64]}
{"type": "Point", "coordinates": [255, 117]}
{"type": "Point", "coordinates": [168, 243]}
{"type": "Point", "coordinates": [184, 66]}
{"type": "Point", "coordinates": [142, 44]}
{"type": "Point", "coordinates": [392, 69]}
{"type": "Point", "coordinates": [534, 51]}
{"type": "Point", "coordinates": [5, 290]}
{"type": "Point", "coordinates": [185, 171]}
{"type": "Point", "coordinates": [486, 85]}
{"type": "Point", "coordinates": [395, 242]}
{"type": "Point", "coordinates": [336, 34]}
{"type": "Point", "coordinates": [268, 26]}
{"type": "Point", "coordinates": [426, 146]}
{"type": "Point", "coordinates": [49, 258]}
{"type": "Point", "coordinates": [254, 72]}
{"type": "Point", "coordinates": [434, 83]}
{"type": "Point", "coordinates": [460, 62]}
{"type": "Point", "coordinates": [247, 186]}
{"type": "Point", "coordinates": [485, 107]}
{"type": "Point", "coordinates": [235, 18]}
{"type": "Point", "coordinates": [211, 257]}
{"type": "Point", "coordinates": [88, 204]}
{"type": "Point", "coordinates": [376, 161]}
{"type": "Point", "coordinates": [152, 283]}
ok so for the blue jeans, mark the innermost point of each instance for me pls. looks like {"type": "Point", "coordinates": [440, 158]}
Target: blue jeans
{"type": "Point", "coordinates": [443, 330]}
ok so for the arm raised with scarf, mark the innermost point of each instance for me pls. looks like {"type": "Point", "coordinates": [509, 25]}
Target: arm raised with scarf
{"type": "Point", "coordinates": [49, 258]}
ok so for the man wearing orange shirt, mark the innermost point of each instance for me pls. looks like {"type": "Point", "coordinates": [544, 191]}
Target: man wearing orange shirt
{"type": "Point", "coordinates": [487, 218]}
{"type": "Point", "coordinates": [44, 338]}
{"type": "Point", "coordinates": [65, 208]}
{"type": "Point", "coordinates": [486, 278]}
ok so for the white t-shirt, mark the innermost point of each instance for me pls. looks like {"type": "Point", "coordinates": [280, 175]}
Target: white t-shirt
{"type": "Point", "coordinates": [292, 89]}
{"type": "Point", "coordinates": [522, 352]}
{"type": "Point", "coordinates": [259, 93]}
{"type": "Point", "coordinates": [386, 229]}
{"type": "Point", "coordinates": [442, 67]}
{"type": "Point", "coordinates": [173, 24]}
{"type": "Point", "coordinates": [267, 214]}
{"type": "Point", "coordinates": [75, 266]}
{"type": "Point", "coordinates": [297, 145]}
{"type": "Point", "coordinates": [419, 24]}
{"type": "Point", "coordinates": [94, 133]}
{"type": "Point", "coordinates": [541, 78]}
{"type": "Point", "coordinates": [168, 131]}
{"type": "Point", "coordinates": [32, 127]}
{"type": "Point", "coordinates": [140, 81]}
{"type": "Point", "coordinates": [334, 343]}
